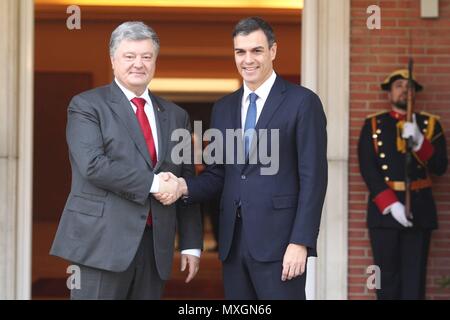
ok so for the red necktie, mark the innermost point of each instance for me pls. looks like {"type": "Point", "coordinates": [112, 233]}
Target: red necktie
{"type": "Point", "coordinates": [147, 131]}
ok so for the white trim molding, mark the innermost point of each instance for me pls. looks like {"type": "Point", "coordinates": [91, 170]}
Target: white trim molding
{"type": "Point", "coordinates": [25, 161]}
{"type": "Point", "coordinates": [325, 70]}
{"type": "Point", "coordinates": [16, 147]}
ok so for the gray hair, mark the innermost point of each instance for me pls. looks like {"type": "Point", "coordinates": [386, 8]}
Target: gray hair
{"type": "Point", "coordinates": [132, 30]}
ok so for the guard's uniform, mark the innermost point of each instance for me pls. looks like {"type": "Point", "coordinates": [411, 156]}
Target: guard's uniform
{"type": "Point", "coordinates": [401, 253]}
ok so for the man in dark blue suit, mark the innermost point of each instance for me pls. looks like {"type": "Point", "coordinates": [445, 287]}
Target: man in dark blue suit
{"type": "Point", "coordinates": [269, 222]}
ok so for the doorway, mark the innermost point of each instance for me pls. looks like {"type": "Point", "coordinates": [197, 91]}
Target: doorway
{"type": "Point", "coordinates": [84, 64]}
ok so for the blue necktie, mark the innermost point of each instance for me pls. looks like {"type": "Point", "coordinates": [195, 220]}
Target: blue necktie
{"type": "Point", "coordinates": [250, 122]}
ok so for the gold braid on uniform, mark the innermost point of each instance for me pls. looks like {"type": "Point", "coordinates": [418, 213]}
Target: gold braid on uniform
{"type": "Point", "coordinates": [430, 128]}
{"type": "Point", "coordinates": [401, 143]}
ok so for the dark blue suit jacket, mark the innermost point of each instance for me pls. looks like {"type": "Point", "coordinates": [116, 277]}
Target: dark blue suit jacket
{"type": "Point", "coordinates": [276, 209]}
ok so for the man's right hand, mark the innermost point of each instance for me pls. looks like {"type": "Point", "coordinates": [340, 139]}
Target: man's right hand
{"type": "Point", "coordinates": [398, 213]}
{"type": "Point", "coordinates": [171, 188]}
{"type": "Point", "coordinates": [168, 191]}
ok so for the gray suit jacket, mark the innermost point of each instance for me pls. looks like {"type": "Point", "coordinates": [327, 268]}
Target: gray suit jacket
{"type": "Point", "coordinates": [106, 211]}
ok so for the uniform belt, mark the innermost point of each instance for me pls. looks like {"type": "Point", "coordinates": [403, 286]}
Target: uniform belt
{"type": "Point", "coordinates": [415, 185]}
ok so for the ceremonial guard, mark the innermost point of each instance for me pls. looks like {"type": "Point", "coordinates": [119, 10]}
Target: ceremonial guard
{"type": "Point", "coordinates": [397, 159]}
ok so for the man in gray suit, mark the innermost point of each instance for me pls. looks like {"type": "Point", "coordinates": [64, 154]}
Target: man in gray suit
{"type": "Point", "coordinates": [119, 139]}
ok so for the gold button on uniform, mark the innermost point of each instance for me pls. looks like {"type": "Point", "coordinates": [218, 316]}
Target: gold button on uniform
{"type": "Point", "coordinates": [386, 178]}
{"type": "Point", "coordinates": [378, 131]}
{"type": "Point", "coordinates": [380, 143]}
{"type": "Point", "coordinates": [382, 155]}
{"type": "Point", "coordinates": [384, 167]}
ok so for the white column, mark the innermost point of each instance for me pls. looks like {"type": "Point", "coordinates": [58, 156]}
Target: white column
{"type": "Point", "coordinates": [310, 36]}
{"type": "Point", "coordinates": [16, 140]}
{"type": "Point", "coordinates": [325, 70]}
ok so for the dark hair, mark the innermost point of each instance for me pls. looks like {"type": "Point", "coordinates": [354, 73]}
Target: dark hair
{"type": "Point", "coordinates": [249, 25]}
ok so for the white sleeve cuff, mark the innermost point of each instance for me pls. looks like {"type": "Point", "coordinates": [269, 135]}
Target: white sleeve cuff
{"type": "Point", "coordinates": [192, 252]}
{"type": "Point", "coordinates": [155, 184]}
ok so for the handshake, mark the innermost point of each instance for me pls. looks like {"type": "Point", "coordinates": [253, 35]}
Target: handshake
{"type": "Point", "coordinates": [171, 188]}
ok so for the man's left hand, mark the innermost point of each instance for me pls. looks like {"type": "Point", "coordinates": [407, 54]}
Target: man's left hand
{"type": "Point", "coordinates": [194, 265]}
{"type": "Point", "coordinates": [294, 261]}
{"type": "Point", "coordinates": [411, 130]}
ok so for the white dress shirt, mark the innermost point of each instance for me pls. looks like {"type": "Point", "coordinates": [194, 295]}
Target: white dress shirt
{"type": "Point", "coordinates": [262, 92]}
{"type": "Point", "coordinates": [150, 113]}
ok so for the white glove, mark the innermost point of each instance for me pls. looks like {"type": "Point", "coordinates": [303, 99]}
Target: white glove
{"type": "Point", "coordinates": [411, 130]}
{"type": "Point", "coordinates": [398, 212]}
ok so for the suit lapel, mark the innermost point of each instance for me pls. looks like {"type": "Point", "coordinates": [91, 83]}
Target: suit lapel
{"type": "Point", "coordinates": [273, 102]}
{"type": "Point", "coordinates": [121, 107]}
{"type": "Point", "coordinates": [237, 105]}
{"type": "Point", "coordinates": [236, 118]}
{"type": "Point", "coordinates": [162, 125]}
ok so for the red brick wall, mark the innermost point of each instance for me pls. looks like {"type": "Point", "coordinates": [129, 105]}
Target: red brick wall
{"type": "Point", "coordinates": [374, 54]}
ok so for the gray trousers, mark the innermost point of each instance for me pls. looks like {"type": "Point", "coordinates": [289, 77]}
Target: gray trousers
{"type": "Point", "coordinates": [140, 281]}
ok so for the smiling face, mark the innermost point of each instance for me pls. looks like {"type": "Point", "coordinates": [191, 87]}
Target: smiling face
{"type": "Point", "coordinates": [134, 64]}
{"type": "Point", "coordinates": [254, 58]}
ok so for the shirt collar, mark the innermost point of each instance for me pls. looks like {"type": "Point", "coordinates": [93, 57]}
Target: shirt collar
{"type": "Point", "coordinates": [396, 115]}
{"type": "Point", "coordinates": [130, 95]}
{"type": "Point", "coordinates": [263, 90]}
